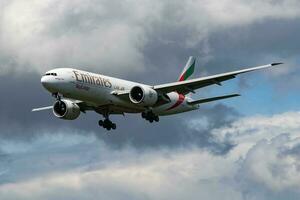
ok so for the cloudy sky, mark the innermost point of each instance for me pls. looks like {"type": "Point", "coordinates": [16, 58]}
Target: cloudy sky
{"type": "Point", "coordinates": [243, 148]}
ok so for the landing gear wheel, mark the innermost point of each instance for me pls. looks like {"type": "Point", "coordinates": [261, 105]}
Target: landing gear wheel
{"type": "Point", "coordinates": [101, 123]}
{"type": "Point", "coordinates": [107, 124]}
{"type": "Point", "coordinates": [113, 126]}
{"type": "Point", "coordinates": [150, 116]}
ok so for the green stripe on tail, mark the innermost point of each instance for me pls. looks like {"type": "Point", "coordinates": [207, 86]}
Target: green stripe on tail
{"type": "Point", "coordinates": [188, 69]}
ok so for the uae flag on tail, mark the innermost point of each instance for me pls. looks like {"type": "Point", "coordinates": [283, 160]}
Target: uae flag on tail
{"type": "Point", "coordinates": [188, 70]}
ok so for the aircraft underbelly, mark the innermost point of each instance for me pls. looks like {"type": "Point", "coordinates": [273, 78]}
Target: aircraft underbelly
{"type": "Point", "coordinates": [101, 97]}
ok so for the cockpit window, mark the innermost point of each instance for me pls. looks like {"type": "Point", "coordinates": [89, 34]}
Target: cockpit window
{"type": "Point", "coordinates": [51, 74]}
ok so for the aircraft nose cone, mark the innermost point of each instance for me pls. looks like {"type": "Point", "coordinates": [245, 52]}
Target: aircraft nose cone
{"type": "Point", "coordinates": [44, 81]}
{"type": "Point", "coordinates": [47, 82]}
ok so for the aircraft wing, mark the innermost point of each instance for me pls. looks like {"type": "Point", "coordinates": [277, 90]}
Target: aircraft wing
{"type": "Point", "coordinates": [83, 106]}
{"type": "Point", "coordinates": [187, 86]}
{"type": "Point", "coordinates": [41, 109]}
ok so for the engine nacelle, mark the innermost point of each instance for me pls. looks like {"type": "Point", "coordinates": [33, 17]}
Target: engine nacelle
{"type": "Point", "coordinates": [143, 95]}
{"type": "Point", "coordinates": [66, 109]}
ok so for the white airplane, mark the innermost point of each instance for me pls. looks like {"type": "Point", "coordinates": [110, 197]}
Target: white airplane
{"type": "Point", "coordinates": [79, 91]}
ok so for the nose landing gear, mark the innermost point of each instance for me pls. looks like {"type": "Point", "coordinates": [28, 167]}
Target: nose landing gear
{"type": "Point", "coordinates": [150, 116]}
{"type": "Point", "coordinates": [56, 96]}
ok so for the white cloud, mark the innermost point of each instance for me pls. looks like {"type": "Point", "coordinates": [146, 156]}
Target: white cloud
{"type": "Point", "coordinates": [38, 35]}
{"type": "Point", "coordinates": [264, 165]}
{"type": "Point", "coordinates": [111, 35]}
{"type": "Point", "coordinates": [152, 175]}
{"type": "Point", "coordinates": [238, 12]}
{"type": "Point", "coordinates": [250, 130]}
{"type": "Point", "coordinates": [268, 164]}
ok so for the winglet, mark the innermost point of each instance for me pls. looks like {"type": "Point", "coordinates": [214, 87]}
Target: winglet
{"type": "Point", "coordinates": [273, 64]}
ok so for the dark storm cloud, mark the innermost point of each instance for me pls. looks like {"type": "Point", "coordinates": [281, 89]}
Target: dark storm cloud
{"type": "Point", "coordinates": [174, 131]}
{"type": "Point", "coordinates": [231, 49]}
{"type": "Point", "coordinates": [49, 153]}
{"type": "Point", "coordinates": [254, 44]}
{"type": "Point", "coordinates": [257, 44]}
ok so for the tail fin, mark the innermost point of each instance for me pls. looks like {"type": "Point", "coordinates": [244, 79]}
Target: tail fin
{"type": "Point", "coordinates": [188, 70]}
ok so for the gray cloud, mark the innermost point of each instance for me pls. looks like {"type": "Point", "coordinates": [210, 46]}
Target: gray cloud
{"type": "Point", "coordinates": [275, 176]}
{"type": "Point", "coordinates": [71, 165]}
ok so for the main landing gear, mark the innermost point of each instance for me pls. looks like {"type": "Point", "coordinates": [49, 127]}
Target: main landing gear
{"type": "Point", "coordinates": [150, 116]}
{"type": "Point", "coordinates": [107, 124]}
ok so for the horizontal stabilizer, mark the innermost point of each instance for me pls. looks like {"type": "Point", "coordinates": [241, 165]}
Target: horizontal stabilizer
{"type": "Point", "coordinates": [41, 109]}
{"type": "Point", "coordinates": [212, 99]}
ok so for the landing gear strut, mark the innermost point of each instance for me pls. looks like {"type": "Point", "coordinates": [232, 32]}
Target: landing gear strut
{"type": "Point", "coordinates": [150, 116]}
{"type": "Point", "coordinates": [61, 106]}
{"type": "Point", "coordinates": [56, 96]}
{"type": "Point", "coordinates": [107, 124]}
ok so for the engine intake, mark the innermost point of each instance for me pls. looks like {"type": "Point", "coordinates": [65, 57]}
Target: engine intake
{"type": "Point", "coordinates": [143, 95]}
{"type": "Point", "coordinates": [66, 109]}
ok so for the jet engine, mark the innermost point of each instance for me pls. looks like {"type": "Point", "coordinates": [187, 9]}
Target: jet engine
{"type": "Point", "coordinates": [143, 95]}
{"type": "Point", "coordinates": [66, 109]}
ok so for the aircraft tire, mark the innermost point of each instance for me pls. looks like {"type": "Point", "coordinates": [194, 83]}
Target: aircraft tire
{"type": "Point", "coordinates": [144, 115]}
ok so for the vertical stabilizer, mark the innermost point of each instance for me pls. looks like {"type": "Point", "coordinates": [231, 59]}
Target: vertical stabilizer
{"type": "Point", "coordinates": [188, 70]}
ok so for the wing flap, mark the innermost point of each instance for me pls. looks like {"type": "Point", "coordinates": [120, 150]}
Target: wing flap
{"type": "Point", "coordinates": [201, 101]}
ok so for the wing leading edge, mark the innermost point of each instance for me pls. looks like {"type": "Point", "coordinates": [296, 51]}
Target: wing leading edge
{"type": "Point", "coordinates": [42, 109]}
{"type": "Point", "coordinates": [187, 86]}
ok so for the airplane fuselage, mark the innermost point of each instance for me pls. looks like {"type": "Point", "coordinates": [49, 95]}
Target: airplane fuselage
{"type": "Point", "coordinates": [98, 90]}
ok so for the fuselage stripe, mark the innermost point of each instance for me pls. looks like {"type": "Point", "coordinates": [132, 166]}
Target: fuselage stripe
{"type": "Point", "coordinates": [180, 100]}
